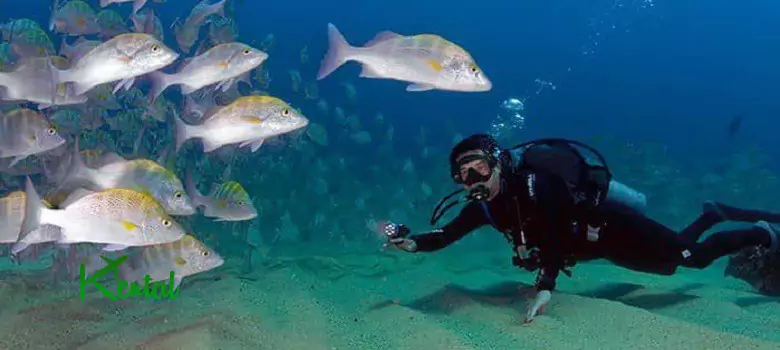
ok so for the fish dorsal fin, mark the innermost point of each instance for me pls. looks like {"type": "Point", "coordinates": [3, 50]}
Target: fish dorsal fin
{"type": "Point", "coordinates": [142, 189]}
{"type": "Point", "coordinates": [381, 37]}
{"type": "Point", "coordinates": [167, 159]}
{"type": "Point", "coordinates": [75, 196]}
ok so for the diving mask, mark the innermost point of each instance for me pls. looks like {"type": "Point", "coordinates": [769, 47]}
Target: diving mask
{"type": "Point", "coordinates": [472, 169]}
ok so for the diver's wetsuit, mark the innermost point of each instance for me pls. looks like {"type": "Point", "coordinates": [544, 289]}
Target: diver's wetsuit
{"type": "Point", "coordinates": [541, 204]}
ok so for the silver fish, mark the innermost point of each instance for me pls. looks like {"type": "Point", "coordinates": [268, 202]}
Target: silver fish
{"type": "Point", "coordinates": [32, 81]}
{"type": "Point", "coordinates": [182, 258]}
{"type": "Point", "coordinates": [427, 61]}
{"type": "Point", "coordinates": [117, 217]}
{"type": "Point", "coordinates": [122, 58]}
{"type": "Point", "coordinates": [24, 132]}
{"type": "Point", "coordinates": [247, 121]}
{"type": "Point", "coordinates": [137, 174]}
{"type": "Point", "coordinates": [75, 17]}
{"type": "Point", "coordinates": [187, 33]}
{"type": "Point", "coordinates": [228, 201]}
{"type": "Point", "coordinates": [220, 64]}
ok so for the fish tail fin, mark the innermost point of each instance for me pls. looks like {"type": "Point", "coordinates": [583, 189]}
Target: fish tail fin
{"type": "Point", "coordinates": [55, 7]}
{"type": "Point", "coordinates": [139, 142]}
{"type": "Point", "coordinates": [64, 47]}
{"type": "Point", "coordinates": [18, 247]}
{"type": "Point", "coordinates": [92, 263]}
{"type": "Point", "coordinates": [338, 52]}
{"type": "Point", "coordinates": [191, 189]}
{"type": "Point", "coordinates": [186, 89]}
{"type": "Point", "coordinates": [127, 273]}
{"type": "Point", "coordinates": [56, 76]}
{"type": "Point", "coordinates": [189, 105]}
{"type": "Point", "coordinates": [59, 76]}
{"type": "Point", "coordinates": [33, 207]}
{"type": "Point", "coordinates": [138, 24]}
{"type": "Point", "coordinates": [137, 5]}
{"type": "Point", "coordinates": [209, 146]}
{"type": "Point", "coordinates": [167, 159]}
{"type": "Point", "coordinates": [184, 132]}
{"type": "Point", "coordinates": [219, 8]}
{"type": "Point", "coordinates": [160, 82]}
{"type": "Point", "coordinates": [76, 169]}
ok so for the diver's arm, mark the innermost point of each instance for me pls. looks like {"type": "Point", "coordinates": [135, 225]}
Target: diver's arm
{"type": "Point", "coordinates": [554, 206]}
{"type": "Point", "coordinates": [469, 219]}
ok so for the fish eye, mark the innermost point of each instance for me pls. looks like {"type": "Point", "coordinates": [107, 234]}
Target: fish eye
{"type": "Point", "coordinates": [167, 223]}
{"type": "Point", "coordinates": [473, 69]}
{"type": "Point", "coordinates": [240, 203]}
{"type": "Point", "coordinates": [178, 194]}
{"type": "Point", "coordinates": [51, 131]}
{"type": "Point", "coordinates": [155, 47]}
{"type": "Point", "coordinates": [247, 51]}
{"type": "Point", "coordinates": [204, 252]}
{"type": "Point", "coordinates": [286, 112]}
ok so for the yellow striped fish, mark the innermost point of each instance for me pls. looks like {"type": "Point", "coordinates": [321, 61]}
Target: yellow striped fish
{"type": "Point", "coordinates": [24, 132]}
{"type": "Point", "coordinates": [116, 217]}
{"type": "Point", "coordinates": [185, 257]}
{"type": "Point", "coordinates": [139, 174]}
{"type": "Point", "coordinates": [247, 121]}
{"type": "Point", "coordinates": [228, 201]}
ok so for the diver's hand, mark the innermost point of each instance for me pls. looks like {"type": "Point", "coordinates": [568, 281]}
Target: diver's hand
{"type": "Point", "coordinates": [537, 305]}
{"type": "Point", "coordinates": [396, 235]}
{"type": "Point", "coordinates": [404, 244]}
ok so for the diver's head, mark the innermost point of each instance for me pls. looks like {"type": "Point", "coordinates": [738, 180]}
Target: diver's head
{"type": "Point", "coordinates": [474, 163]}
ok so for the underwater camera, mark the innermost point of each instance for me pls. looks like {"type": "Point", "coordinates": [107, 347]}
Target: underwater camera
{"type": "Point", "coordinates": [391, 231]}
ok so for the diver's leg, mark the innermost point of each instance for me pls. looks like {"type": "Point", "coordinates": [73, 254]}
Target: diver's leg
{"type": "Point", "coordinates": [730, 213]}
{"type": "Point", "coordinates": [640, 243]}
{"type": "Point", "coordinates": [701, 255]}
{"type": "Point", "coordinates": [715, 212]}
{"type": "Point", "coordinates": [709, 217]}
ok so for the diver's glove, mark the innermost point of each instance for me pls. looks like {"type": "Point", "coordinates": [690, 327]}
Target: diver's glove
{"type": "Point", "coordinates": [405, 244]}
{"type": "Point", "coordinates": [397, 236]}
{"type": "Point", "coordinates": [537, 305]}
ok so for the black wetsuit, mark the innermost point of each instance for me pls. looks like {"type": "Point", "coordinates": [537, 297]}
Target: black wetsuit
{"type": "Point", "coordinates": [537, 209]}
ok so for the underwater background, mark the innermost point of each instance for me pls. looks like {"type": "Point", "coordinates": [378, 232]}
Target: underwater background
{"type": "Point", "coordinates": [679, 96]}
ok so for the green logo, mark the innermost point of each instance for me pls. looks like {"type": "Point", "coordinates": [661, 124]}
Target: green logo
{"type": "Point", "coordinates": [124, 289]}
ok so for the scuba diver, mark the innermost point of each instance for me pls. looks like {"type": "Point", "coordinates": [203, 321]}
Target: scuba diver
{"type": "Point", "coordinates": [558, 206]}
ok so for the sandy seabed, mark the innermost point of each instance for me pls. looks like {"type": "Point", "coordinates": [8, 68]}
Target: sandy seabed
{"type": "Point", "coordinates": [313, 299]}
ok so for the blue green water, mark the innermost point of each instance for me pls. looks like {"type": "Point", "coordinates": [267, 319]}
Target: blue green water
{"type": "Point", "coordinates": [653, 85]}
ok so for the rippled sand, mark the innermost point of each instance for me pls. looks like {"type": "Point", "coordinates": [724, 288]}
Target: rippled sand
{"type": "Point", "coordinates": [307, 299]}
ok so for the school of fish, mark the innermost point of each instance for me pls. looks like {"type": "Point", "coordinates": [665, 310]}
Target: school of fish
{"type": "Point", "coordinates": [108, 75]}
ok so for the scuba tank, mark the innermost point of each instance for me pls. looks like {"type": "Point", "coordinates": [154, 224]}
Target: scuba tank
{"type": "Point", "coordinates": [583, 168]}
{"type": "Point", "coordinates": [622, 197]}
